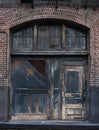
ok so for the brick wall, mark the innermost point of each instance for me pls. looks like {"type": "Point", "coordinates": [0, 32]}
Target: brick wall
{"type": "Point", "coordinates": [94, 53]}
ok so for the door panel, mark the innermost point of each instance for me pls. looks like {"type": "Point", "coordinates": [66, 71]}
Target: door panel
{"type": "Point", "coordinates": [30, 87]}
{"type": "Point", "coordinates": [73, 100]}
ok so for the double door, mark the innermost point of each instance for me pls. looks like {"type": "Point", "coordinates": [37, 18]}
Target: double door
{"type": "Point", "coordinates": [48, 88]}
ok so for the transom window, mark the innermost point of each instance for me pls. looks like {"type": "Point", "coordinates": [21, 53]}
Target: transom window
{"type": "Point", "coordinates": [75, 39]}
{"type": "Point", "coordinates": [23, 40]}
{"type": "Point", "coordinates": [49, 38]}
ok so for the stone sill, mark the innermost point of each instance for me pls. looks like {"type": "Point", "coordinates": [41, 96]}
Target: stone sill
{"type": "Point", "coordinates": [49, 125]}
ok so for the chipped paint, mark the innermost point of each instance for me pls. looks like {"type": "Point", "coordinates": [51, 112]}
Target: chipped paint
{"type": "Point", "coordinates": [29, 72]}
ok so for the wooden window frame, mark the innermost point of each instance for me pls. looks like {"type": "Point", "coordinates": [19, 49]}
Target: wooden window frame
{"type": "Point", "coordinates": [76, 37]}
{"type": "Point", "coordinates": [50, 37]}
{"type": "Point", "coordinates": [62, 48]}
{"type": "Point", "coordinates": [22, 36]}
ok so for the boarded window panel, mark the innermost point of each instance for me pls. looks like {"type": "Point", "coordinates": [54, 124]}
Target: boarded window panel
{"type": "Point", "coordinates": [70, 32]}
{"type": "Point", "coordinates": [75, 39]}
{"type": "Point", "coordinates": [70, 42]}
{"type": "Point", "coordinates": [43, 31]}
{"type": "Point", "coordinates": [83, 43]}
{"type": "Point", "coordinates": [19, 33]}
{"type": "Point", "coordinates": [27, 42]}
{"type": "Point", "coordinates": [43, 43]}
{"type": "Point", "coordinates": [73, 44]}
{"type": "Point", "coordinates": [23, 40]}
{"type": "Point", "coordinates": [55, 31]}
{"type": "Point", "coordinates": [79, 42]}
{"type": "Point", "coordinates": [55, 37]}
{"type": "Point", "coordinates": [43, 37]}
{"type": "Point", "coordinates": [55, 43]}
{"type": "Point", "coordinates": [27, 32]}
{"type": "Point", "coordinates": [72, 81]}
{"type": "Point", "coordinates": [17, 43]}
{"type": "Point", "coordinates": [49, 37]}
{"type": "Point", "coordinates": [30, 42]}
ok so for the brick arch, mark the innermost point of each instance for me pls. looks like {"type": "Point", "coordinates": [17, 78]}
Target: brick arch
{"type": "Point", "coordinates": [17, 16]}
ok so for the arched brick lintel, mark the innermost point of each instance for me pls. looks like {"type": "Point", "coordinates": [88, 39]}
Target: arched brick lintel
{"type": "Point", "coordinates": [48, 21]}
{"type": "Point", "coordinates": [73, 16]}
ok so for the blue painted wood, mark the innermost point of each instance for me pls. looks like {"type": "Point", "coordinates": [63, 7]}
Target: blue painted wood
{"type": "Point", "coordinates": [29, 88]}
{"type": "Point", "coordinates": [72, 81]}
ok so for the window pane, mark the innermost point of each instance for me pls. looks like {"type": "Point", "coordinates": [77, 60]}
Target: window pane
{"type": "Point", "coordinates": [17, 43]}
{"type": "Point", "coordinates": [43, 43]}
{"type": "Point", "coordinates": [19, 33]}
{"type": "Point", "coordinates": [27, 42]}
{"type": "Point", "coordinates": [27, 32]}
{"type": "Point", "coordinates": [23, 40]}
{"type": "Point", "coordinates": [49, 37]}
{"type": "Point", "coordinates": [70, 42]}
{"type": "Point", "coordinates": [43, 31]}
{"type": "Point", "coordinates": [70, 32]}
{"type": "Point", "coordinates": [55, 43]}
{"type": "Point", "coordinates": [83, 44]}
{"type": "Point", "coordinates": [55, 31]}
{"type": "Point", "coordinates": [75, 39]}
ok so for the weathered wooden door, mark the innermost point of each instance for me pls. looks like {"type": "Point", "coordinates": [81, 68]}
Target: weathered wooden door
{"type": "Point", "coordinates": [30, 88]}
{"type": "Point", "coordinates": [73, 81]}
{"type": "Point", "coordinates": [46, 88]}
